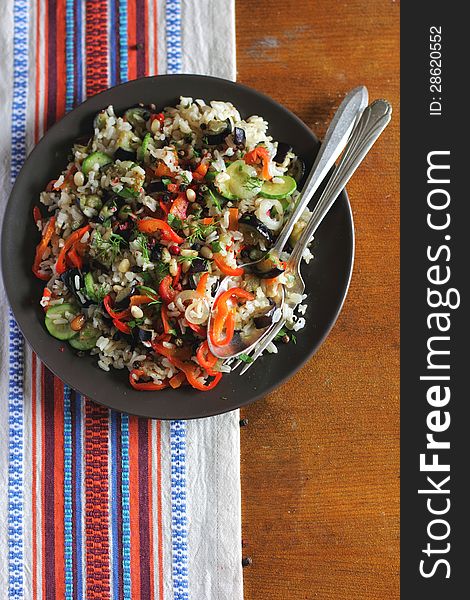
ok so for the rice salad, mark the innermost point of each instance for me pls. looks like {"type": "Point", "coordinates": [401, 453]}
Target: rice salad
{"type": "Point", "coordinates": [153, 210]}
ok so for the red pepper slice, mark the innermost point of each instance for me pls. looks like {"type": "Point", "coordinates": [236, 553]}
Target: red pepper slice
{"type": "Point", "coordinates": [167, 293]}
{"type": "Point", "coordinates": [40, 249]}
{"type": "Point", "coordinates": [75, 258]}
{"type": "Point", "coordinates": [37, 214]}
{"type": "Point", "coordinates": [200, 172]}
{"type": "Point", "coordinates": [206, 359]}
{"type": "Point", "coordinates": [74, 238]}
{"type": "Point", "coordinates": [198, 329]}
{"type": "Point", "coordinates": [202, 284]}
{"type": "Point", "coordinates": [148, 386]}
{"type": "Point", "coordinates": [153, 225]}
{"type": "Point", "coordinates": [109, 309]}
{"type": "Point", "coordinates": [176, 278]}
{"type": "Point", "coordinates": [224, 315]}
{"type": "Point", "coordinates": [161, 170]}
{"type": "Point", "coordinates": [256, 154]}
{"type": "Point", "coordinates": [225, 268]}
{"type": "Point", "coordinates": [188, 368]}
{"type": "Point", "coordinates": [122, 326]}
{"type": "Point", "coordinates": [164, 207]}
{"type": "Point", "coordinates": [177, 380]}
{"type": "Point", "coordinates": [180, 206]}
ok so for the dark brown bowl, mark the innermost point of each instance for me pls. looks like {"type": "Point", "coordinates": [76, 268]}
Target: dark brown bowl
{"type": "Point", "coordinates": [327, 277]}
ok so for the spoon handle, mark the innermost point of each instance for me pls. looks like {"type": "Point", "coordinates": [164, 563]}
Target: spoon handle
{"type": "Point", "coordinates": [373, 121]}
{"type": "Point", "coordinates": [333, 144]}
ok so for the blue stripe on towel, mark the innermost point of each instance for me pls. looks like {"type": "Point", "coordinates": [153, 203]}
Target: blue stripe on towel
{"type": "Point", "coordinates": [16, 351]}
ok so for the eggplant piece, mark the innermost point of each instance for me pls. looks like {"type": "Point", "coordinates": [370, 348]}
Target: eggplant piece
{"type": "Point", "coordinates": [297, 170]}
{"type": "Point", "coordinates": [239, 137]}
{"type": "Point", "coordinates": [265, 320]}
{"type": "Point", "coordinates": [122, 299]}
{"type": "Point", "coordinates": [155, 187]}
{"type": "Point", "coordinates": [214, 139]}
{"type": "Point", "coordinates": [156, 253]}
{"type": "Point", "coordinates": [123, 154]}
{"type": "Point", "coordinates": [252, 228]}
{"type": "Point", "coordinates": [282, 150]}
{"type": "Point", "coordinates": [73, 280]}
{"type": "Point", "coordinates": [145, 335]}
{"type": "Point", "coordinates": [198, 265]}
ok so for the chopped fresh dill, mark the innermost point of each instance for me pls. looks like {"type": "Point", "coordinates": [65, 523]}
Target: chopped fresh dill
{"type": "Point", "coordinates": [141, 240]}
{"type": "Point", "coordinates": [200, 231]}
{"type": "Point", "coordinates": [107, 249]}
{"type": "Point", "coordinates": [187, 258]}
{"type": "Point", "coordinates": [161, 271]}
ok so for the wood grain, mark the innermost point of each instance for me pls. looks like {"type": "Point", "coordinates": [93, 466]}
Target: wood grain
{"type": "Point", "coordinates": [320, 456]}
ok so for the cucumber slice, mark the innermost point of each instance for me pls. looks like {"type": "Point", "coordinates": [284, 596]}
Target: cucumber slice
{"type": "Point", "coordinates": [95, 158]}
{"type": "Point", "coordinates": [243, 183]}
{"type": "Point", "coordinates": [279, 190]}
{"type": "Point", "coordinates": [223, 188]}
{"type": "Point", "coordinates": [143, 148]}
{"type": "Point", "coordinates": [86, 338]}
{"type": "Point", "coordinates": [61, 331]}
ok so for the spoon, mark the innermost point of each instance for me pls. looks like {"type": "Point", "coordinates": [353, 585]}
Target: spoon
{"type": "Point", "coordinates": [333, 144]}
{"type": "Point", "coordinates": [373, 121]}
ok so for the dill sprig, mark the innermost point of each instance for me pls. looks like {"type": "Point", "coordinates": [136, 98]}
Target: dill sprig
{"type": "Point", "coordinates": [141, 240]}
{"type": "Point", "coordinates": [107, 249]}
{"type": "Point", "coordinates": [200, 231]}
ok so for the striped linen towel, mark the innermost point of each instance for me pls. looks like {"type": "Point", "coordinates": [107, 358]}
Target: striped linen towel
{"type": "Point", "coordinates": [94, 504]}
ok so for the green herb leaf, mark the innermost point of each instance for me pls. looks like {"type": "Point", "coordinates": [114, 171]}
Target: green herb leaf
{"type": "Point", "coordinates": [166, 180]}
{"type": "Point", "coordinates": [280, 334]}
{"type": "Point", "coordinates": [215, 200]}
{"type": "Point", "coordinates": [216, 246]}
{"type": "Point", "coordinates": [245, 358]}
{"type": "Point", "coordinates": [252, 183]}
{"type": "Point", "coordinates": [174, 221]}
{"type": "Point", "coordinates": [142, 243]}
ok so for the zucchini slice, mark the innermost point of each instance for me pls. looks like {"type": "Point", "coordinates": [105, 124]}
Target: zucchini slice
{"type": "Point", "coordinates": [99, 158]}
{"type": "Point", "coordinates": [279, 190]}
{"type": "Point", "coordinates": [86, 338]}
{"type": "Point", "coordinates": [61, 331]}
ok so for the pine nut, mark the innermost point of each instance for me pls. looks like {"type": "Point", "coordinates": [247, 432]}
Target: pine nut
{"type": "Point", "coordinates": [79, 179]}
{"type": "Point", "coordinates": [155, 126]}
{"type": "Point", "coordinates": [124, 265]}
{"type": "Point", "coordinates": [191, 195]}
{"type": "Point", "coordinates": [78, 322]}
{"type": "Point", "coordinates": [166, 256]}
{"type": "Point", "coordinates": [173, 267]}
{"type": "Point", "coordinates": [137, 312]}
{"type": "Point", "coordinates": [186, 266]}
{"type": "Point", "coordinates": [188, 252]}
{"type": "Point", "coordinates": [206, 252]}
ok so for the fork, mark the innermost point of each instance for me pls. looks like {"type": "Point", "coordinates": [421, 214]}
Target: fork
{"type": "Point", "coordinates": [373, 121]}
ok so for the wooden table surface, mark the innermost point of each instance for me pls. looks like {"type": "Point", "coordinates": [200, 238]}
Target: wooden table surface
{"type": "Point", "coordinates": [320, 456]}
